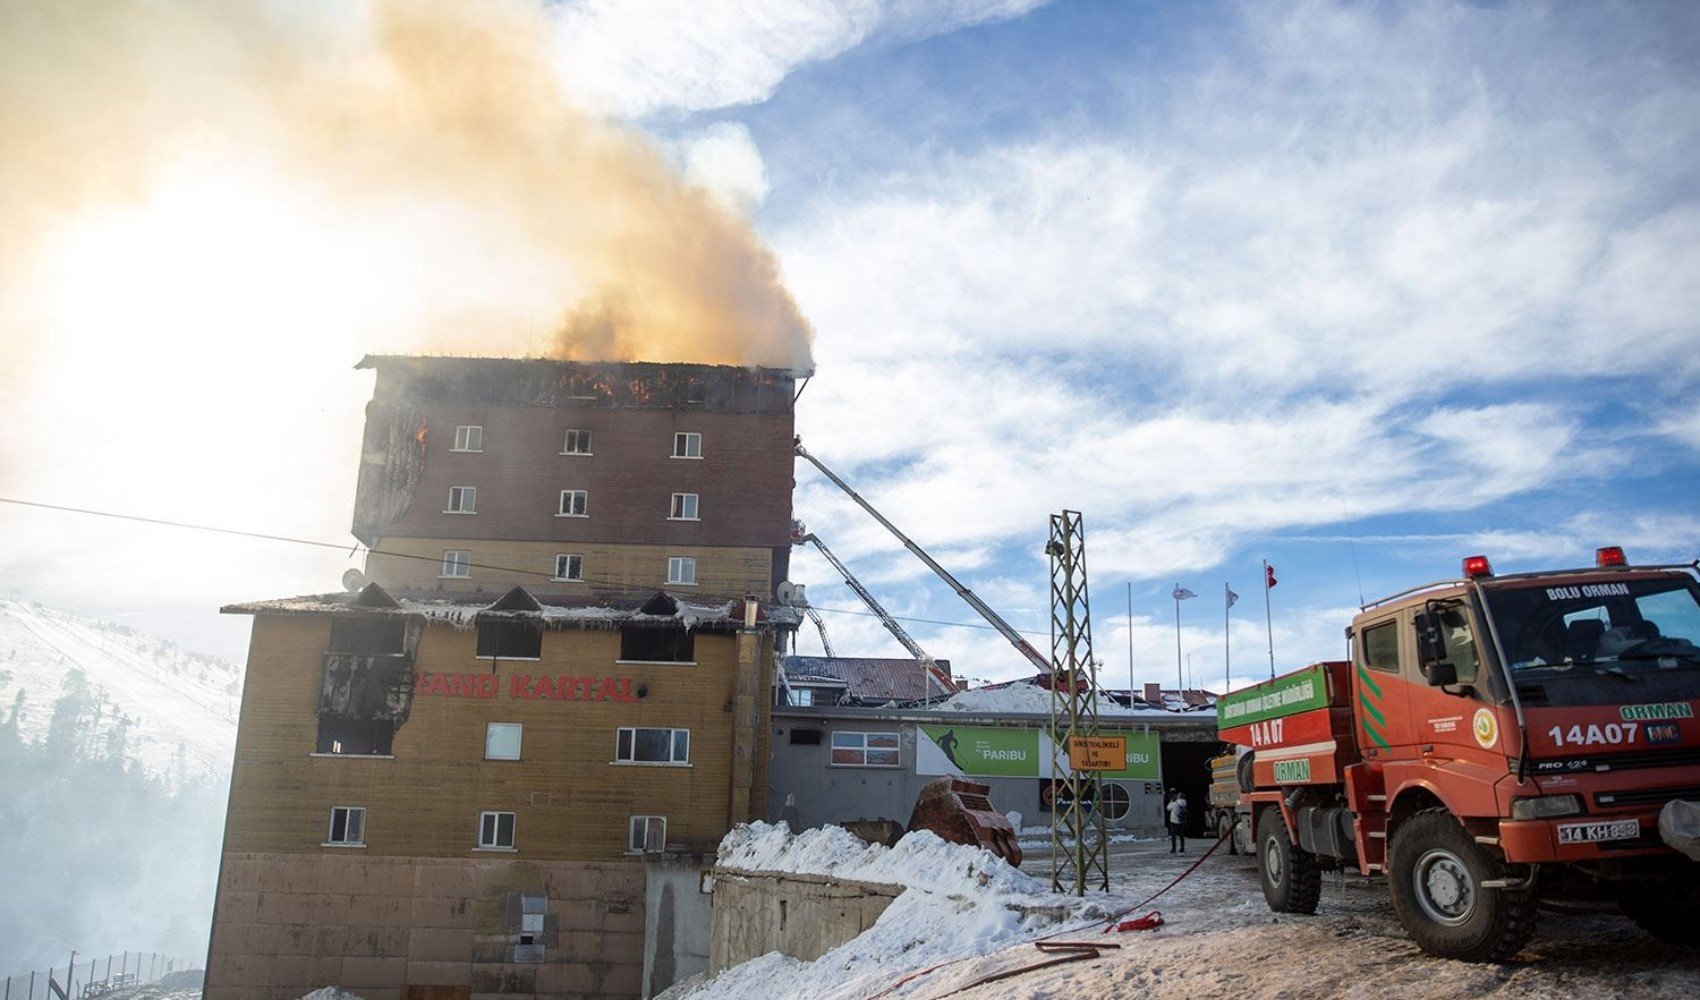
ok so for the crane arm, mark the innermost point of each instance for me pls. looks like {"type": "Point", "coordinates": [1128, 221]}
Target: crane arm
{"type": "Point", "coordinates": [898, 632]}
{"type": "Point", "coordinates": [1021, 645]}
{"type": "Point", "coordinates": [815, 617]}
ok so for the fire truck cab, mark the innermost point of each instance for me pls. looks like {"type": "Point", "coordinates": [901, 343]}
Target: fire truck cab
{"type": "Point", "coordinates": [1493, 742]}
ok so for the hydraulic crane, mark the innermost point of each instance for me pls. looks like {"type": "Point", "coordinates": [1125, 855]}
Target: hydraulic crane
{"type": "Point", "coordinates": [937, 674]}
{"type": "Point", "coordinates": [1021, 645]}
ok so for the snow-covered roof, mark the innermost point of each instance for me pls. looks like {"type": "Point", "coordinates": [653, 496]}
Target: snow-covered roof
{"type": "Point", "coordinates": [465, 610]}
{"type": "Point", "coordinates": [1029, 698]}
{"type": "Point", "coordinates": [869, 679]}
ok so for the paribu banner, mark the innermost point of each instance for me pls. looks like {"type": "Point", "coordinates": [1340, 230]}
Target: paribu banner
{"type": "Point", "coordinates": [986, 752]}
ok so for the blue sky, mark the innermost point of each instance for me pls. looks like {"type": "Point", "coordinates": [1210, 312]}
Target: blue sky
{"type": "Point", "coordinates": [1356, 288]}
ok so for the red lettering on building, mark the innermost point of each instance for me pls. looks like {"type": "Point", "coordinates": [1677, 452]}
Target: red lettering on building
{"type": "Point", "coordinates": [557, 688]}
{"type": "Point", "coordinates": [488, 685]}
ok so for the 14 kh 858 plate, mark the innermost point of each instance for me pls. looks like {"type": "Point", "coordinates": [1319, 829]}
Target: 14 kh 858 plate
{"type": "Point", "coordinates": [1587, 833]}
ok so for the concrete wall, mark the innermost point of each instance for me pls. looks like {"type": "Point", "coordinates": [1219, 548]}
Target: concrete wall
{"type": "Point", "coordinates": [797, 915]}
{"type": "Point", "coordinates": [677, 915]}
{"type": "Point", "coordinates": [388, 928]}
{"type": "Point", "coordinates": [807, 790]}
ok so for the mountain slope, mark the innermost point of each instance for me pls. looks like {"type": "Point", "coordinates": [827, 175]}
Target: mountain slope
{"type": "Point", "coordinates": [170, 711]}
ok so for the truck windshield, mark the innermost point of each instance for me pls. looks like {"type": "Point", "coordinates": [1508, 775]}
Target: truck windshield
{"type": "Point", "coordinates": [1623, 627]}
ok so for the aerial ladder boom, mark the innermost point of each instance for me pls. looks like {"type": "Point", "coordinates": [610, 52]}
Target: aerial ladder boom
{"type": "Point", "coordinates": [1021, 645]}
{"type": "Point", "coordinates": [814, 616]}
{"type": "Point", "coordinates": [898, 632]}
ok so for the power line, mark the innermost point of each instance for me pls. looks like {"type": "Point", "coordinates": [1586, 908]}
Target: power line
{"type": "Point", "coordinates": [617, 586]}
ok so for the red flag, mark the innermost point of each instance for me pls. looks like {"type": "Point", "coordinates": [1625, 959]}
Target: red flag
{"type": "Point", "coordinates": [1269, 576]}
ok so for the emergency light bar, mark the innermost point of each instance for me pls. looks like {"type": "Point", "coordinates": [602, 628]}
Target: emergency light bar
{"type": "Point", "coordinates": [1475, 566]}
{"type": "Point", "coordinates": [1610, 555]}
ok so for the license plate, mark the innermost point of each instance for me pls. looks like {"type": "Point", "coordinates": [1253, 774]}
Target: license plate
{"type": "Point", "coordinates": [1588, 833]}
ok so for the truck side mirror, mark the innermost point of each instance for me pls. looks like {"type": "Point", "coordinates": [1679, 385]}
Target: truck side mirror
{"type": "Point", "coordinates": [1431, 647]}
{"type": "Point", "coordinates": [1440, 674]}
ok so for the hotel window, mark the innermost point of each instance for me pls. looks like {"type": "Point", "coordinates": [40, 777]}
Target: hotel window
{"type": "Point", "coordinates": [652, 644]}
{"type": "Point", "coordinates": [569, 567]}
{"type": "Point", "coordinates": [354, 737]}
{"type": "Point", "coordinates": [687, 444]}
{"type": "Point", "coordinates": [457, 564]}
{"type": "Point", "coordinates": [575, 503]}
{"type": "Point", "coordinates": [866, 750]}
{"type": "Point", "coordinates": [652, 746]}
{"type": "Point", "coordinates": [496, 831]}
{"type": "Point", "coordinates": [463, 500]}
{"type": "Point", "coordinates": [684, 507]}
{"type": "Point", "coordinates": [501, 740]}
{"type": "Point", "coordinates": [647, 834]}
{"type": "Point", "coordinates": [469, 438]}
{"type": "Point", "coordinates": [577, 443]}
{"type": "Point", "coordinates": [510, 640]}
{"type": "Point", "coordinates": [682, 570]}
{"type": "Point", "coordinates": [348, 827]}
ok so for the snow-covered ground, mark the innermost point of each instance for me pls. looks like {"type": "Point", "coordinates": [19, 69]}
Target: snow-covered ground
{"type": "Point", "coordinates": [172, 698]}
{"type": "Point", "coordinates": [1219, 939]}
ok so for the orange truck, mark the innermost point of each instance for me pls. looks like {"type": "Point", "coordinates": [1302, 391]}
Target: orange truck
{"type": "Point", "coordinates": [1494, 744]}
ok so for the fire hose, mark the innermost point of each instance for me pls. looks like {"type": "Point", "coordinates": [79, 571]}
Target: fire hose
{"type": "Point", "coordinates": [1063, 952]}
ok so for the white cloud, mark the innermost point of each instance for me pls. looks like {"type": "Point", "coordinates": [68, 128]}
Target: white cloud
{"type": "Point", "coordinates": [636, 57]}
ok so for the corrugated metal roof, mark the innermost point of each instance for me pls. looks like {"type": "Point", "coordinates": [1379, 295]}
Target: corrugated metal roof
{"type": "Point", "coordinates": [868, 679]}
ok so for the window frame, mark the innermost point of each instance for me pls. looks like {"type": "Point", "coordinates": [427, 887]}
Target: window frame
{"type": "Point", "coordinates": [561, 507]}
{"type": "Point", "coordinates": [495, 842]}
{"type": "Point", "coordinates": [330, 827]}
{"type": "Point", "coordinates": [463, 435]}
{"type": "Point", "coordinates": [468, 498]}
{"type": "Point", "coordinates": [567, 441]}
{"type": "Point", "coordinates": [1392, 624]}
{"type": "Point", "coordinates": [568, 579]}
{"type": "Point", "coordinates": [496, 639]}
{"type": "Point", "coordinates": [685, 439]}
{"type": "Point", "coordinates": [685, 507]}
{"type": "Point", "coordinates": [462, 564]}
{"type": "Point", "coordinates": [519, 747]}
{"type": "Point", "coordinates": [632, 847]}
{"type": "Point", "coordinates": [864, 749]}
{"type": "Point", "coordinates": [681, 562]}
{"type": "Point", "coordinates": [673, 734]}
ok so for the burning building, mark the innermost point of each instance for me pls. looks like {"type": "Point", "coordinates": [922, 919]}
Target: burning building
{"type": "Point", "coordinates": [451, 778]}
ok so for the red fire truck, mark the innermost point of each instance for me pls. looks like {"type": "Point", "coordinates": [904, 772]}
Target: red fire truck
{"type": "Point", "coordinates": [1494, 743]}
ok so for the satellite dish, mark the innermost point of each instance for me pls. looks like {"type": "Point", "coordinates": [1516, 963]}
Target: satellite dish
{"type": "Point", "coordinates": [792, 594]}
{"type": "Point", "coordinates": [353, 580]}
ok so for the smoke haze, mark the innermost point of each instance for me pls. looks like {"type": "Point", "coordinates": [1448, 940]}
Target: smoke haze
{"type": "Point", "coordinates": [431, 132]}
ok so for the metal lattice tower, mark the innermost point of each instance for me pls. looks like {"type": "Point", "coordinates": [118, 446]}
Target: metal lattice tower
{"type": "Point", "coordinates": [1079, 855]}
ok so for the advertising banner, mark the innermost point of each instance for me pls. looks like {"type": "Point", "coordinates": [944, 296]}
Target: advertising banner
{"type": "Point", "coordinates": [1299, 691]}
{"type": "Point", "coordinates": [988, 752]}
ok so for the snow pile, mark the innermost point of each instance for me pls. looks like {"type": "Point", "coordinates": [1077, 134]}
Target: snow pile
{"type": "Point", "coordinates": [960, 901]}
{"type": "Point", "coordinates": [331, 993]}
{"type": "Point", "coordinates": [1033, 699]}
{"type": "Point", "coordinates": [921, 860]}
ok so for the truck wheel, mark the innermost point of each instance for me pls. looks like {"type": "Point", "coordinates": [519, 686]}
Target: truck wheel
{"type": "Point", "coordinates": [1436, 871]}
{"type": "Point", "coordinates": [1225, 830]}
{"type": "Point", "coordinates": [1672, 923]}
{"type": "Point", "coordinates": [1291, 881]}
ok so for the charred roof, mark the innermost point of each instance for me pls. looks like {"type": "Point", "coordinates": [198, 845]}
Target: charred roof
{"type": "Point", "coordinates": [618, 385]}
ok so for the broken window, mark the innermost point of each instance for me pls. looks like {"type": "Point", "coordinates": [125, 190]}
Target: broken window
{"type": "Point", "coordinates": [496, 831]}
{"type": "Point", "coordinates": [517, 640]}
{"type": "Point", "coordinates": [578, 443]}
{"type": "Point", "coordinates": [647, 834]}
{"type": "Point", "coordinates": [575, 503]}
{"type": "Point", "coordinates": [644, 745]}
{"type": "Point", "coordinates": [356, 737]}
{"type": "Point", "coordinates": [348, 826]}
{"type": "Point", "coordinates": [372, 636]}
{"type": "Point", "coordinates": [805, 737]}
{"type": "Point", "coordinates": [658, 645]}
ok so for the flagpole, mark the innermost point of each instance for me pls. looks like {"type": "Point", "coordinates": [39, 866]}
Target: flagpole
{"type": "Point", "coordinates": [1227, 649]}
{"type": "Point", "coordinates": [1130, 643]}
{"type": "Point", "coordinates": [1268, 619]}
{"type": "Point", "coordinates": [1180, 678]}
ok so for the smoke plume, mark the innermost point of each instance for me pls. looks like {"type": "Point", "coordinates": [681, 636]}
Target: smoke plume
{"type": "Point", "coordinates": [435, 133]}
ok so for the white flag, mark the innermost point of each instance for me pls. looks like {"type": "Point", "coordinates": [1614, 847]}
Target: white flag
{"type": "Point", "coordinates": [1233, 598]}
{"type": "Point", "coordinates": [1183, 594]}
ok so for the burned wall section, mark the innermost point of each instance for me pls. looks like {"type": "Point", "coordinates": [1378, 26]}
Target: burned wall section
{"type": "Point", "coordinates": [392, 462]}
